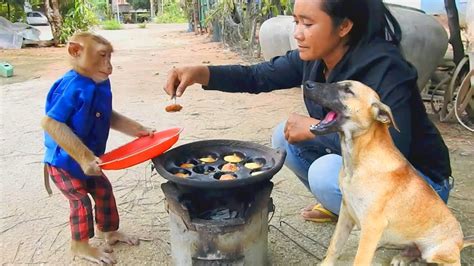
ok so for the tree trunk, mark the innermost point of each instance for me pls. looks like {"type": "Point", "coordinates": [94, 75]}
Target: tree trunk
{"type": "Point", "coordinates": [54, 18]}
{"type": "Point", "coordinates": [152, 9]}
{"type": "Point", "coordinates": [108, 9]}
{"type": "Point", "coordinates": [454, 30]}
{"type": "Point", "coordinates": [8, 11]}
{"type": "Point", "coordinates": [197, 28]}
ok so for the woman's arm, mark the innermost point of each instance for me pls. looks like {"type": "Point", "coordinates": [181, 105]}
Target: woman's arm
{"type": "Point", "coordinates": [281, 72]}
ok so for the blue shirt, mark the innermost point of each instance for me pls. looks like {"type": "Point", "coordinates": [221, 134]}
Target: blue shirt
{"type": "Point", "coordinates": [380, 65]}
{"type": "Point", "coordinates": [85, 107]}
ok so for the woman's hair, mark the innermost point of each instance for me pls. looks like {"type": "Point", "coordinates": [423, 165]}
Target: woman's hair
{"type": "Point", "coordinates": [370, 17]}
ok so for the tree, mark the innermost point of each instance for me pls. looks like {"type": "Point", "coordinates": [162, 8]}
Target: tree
{"type": "Point", "coordinates": [101, 8]}
{"type": "Point", "coordinates": [14, 10]}
{"type": "Point", "coordinates": [79, 17]}
{"type": "Point", "coordinates": [66, 17]}
{"type": "Point", "coordinates": [54, 17]}
{"type": "Point", "coordinates": [152, 9]}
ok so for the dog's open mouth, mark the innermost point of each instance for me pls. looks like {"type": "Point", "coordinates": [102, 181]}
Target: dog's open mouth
{"type": "Point", "coordinates": [327, 123]}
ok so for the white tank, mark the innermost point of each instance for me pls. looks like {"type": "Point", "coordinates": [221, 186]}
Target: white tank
{"type": "Point", "coordinates": [424, 40]}
{"type": "Point", "coordinates": [276, 36]}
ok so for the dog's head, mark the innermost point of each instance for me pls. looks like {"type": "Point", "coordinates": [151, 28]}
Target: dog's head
{"type": "Point", "coordinates": [354, 107]}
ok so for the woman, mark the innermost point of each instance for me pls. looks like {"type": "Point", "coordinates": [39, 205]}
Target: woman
{"type": "Point", "coordinates": [337, 40]}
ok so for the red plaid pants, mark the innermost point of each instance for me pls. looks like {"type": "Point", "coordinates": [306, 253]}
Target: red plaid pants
{"type": "Point", "coordinates": [76, 191]}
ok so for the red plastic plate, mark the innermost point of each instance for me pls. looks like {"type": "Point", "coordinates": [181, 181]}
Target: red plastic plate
{"type": "Point", "coordinates": [140, 150]}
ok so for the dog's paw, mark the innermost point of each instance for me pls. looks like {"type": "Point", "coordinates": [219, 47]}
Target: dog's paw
{"type": "Point", "coordinates": [326, 262]}
{"type": "Point", "coordinates": [401, 260]}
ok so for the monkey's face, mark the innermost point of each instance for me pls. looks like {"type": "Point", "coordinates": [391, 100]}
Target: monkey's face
{"type": "Point", "coordinates": [97, 60]}
{"type": "Point", "coordinates": [91, 59]}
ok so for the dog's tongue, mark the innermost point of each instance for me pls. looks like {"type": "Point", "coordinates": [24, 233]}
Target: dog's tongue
{"type": "Point", "coordinates": [329, 117]}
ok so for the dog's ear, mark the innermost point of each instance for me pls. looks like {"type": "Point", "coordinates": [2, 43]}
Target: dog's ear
{"type": "Point", "coordinates": [382, 113]}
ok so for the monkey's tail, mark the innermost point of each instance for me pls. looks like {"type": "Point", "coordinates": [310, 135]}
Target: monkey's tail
{"type": "Point", "coordinates": [468, 241]}
{"type": "Point", "coordinates": [47, 186]}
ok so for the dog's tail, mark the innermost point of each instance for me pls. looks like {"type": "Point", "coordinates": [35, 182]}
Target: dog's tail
{"type": "Point", "coordinates": [468, 241]}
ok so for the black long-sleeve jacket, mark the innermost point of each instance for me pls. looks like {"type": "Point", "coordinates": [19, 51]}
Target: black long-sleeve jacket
{"type": "Point", "coordinates": [377, 64]}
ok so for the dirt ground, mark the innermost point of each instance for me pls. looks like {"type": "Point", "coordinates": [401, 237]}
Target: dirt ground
{"type": "Point", "coordinates": [34, 227]}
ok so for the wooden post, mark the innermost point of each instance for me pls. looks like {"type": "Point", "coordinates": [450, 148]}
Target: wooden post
{"type": "Point", "coordinates": [454, 30]}
{"type": "Point", "coordinates": [470, 49]}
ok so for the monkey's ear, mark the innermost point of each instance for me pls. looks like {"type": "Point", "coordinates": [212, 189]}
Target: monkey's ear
{"type": "Point", "coordinates": [74, 48]}
{"type": "Point", "coordinates": [383, 114]}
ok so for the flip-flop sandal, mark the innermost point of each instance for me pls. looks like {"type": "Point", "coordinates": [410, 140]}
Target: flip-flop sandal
{"type": "Point", "coordinates": [318, 207]}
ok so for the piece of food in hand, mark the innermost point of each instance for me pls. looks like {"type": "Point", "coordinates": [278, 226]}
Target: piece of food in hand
{"type": "Point", "coordinates": [208, 159]}
{"type": "Point", "coordinates": [230, 167]}
{"type": "Point", "coordinates": [252, 166]}
{"type": "Point", "coordinates": [234, 158]}
{"type": "Point", "coordinates": [173, 108]}
{"type": "Point", "coordinates": [183, 175]}
{"type": "Point", "coordinates": [186, 165]}
{"type": "Point", "coordinates": [227, 177]}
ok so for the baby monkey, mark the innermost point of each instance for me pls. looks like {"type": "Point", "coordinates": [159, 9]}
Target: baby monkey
{"type": "Point", "coordinates": [78, 118]}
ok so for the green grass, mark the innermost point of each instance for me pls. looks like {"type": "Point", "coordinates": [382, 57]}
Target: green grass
{"type": "Point", "coordinates": [142, 25]}
{"type": "Point", "coordinates": [111, 25]}
{"type": "Point", "coordinates": [172, 13]}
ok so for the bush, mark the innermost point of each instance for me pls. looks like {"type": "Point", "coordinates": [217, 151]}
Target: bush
{"type": "Point", "coordinates": [80, 17]}
{"type": "Point", "coordinates": [142, 25]}
{"type": "Point", "coordinates": [111, 25]}
{"type": "Point", "coordinates": [172, 13]}
{"type": "Point", "coordinates": [16, 11]}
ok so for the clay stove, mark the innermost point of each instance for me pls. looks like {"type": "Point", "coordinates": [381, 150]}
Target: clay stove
{"type": "Point", "coordinates": [216, 222]}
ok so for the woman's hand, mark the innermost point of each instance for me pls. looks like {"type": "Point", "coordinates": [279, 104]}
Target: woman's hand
{"type": "Point", "coordinates": [297, 128]}
{"type": "Point", "coordinates": [182, 77]}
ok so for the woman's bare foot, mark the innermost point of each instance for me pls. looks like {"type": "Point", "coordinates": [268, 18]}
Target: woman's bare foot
{"type": "Point", "coordinates": [317, 213]}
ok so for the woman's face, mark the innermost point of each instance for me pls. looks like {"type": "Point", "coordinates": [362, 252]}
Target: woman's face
{"type": "Point", "coordinates": [314, 30]}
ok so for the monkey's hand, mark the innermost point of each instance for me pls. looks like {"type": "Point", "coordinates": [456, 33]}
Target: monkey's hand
{"type": "Point", "coordinates": [91, 167]}
{"type": "Point", "coordinates": [145, 131]}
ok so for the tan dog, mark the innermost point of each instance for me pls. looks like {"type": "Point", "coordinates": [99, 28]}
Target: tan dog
{"type": "Point", "coordinates": [381, 191]}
